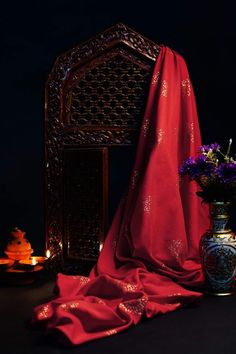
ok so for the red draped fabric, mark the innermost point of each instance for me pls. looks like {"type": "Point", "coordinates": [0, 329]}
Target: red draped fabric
{"type": "Point", "coordinates": [150, 261]}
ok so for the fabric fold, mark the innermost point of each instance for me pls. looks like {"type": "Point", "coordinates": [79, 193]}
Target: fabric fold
{"type": "Point", "coordinates": [150, 262]}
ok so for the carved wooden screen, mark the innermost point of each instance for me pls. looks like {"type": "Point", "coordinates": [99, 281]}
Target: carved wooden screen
{"type": "Point", "coordinates": [95, 98]}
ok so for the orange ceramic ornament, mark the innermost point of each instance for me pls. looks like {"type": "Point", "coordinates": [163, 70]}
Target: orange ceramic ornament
{"type": "Point", "coordinates": [18, 247]}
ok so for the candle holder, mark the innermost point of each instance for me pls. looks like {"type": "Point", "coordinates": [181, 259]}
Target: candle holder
{"type": "Point", "coordinates": [22, 272]}
{"type": "Point", "coordinates": [28, 264]}
{"type": "Point", "coordinates": [20, 276]}
{"type": "Point", "coordinates": [6, 263]}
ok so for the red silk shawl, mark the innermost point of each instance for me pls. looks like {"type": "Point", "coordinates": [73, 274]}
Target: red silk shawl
{"type": "Point", "coordinates": [150, 258]}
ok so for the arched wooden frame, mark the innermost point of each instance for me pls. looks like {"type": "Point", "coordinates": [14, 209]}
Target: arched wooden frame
{"type": "Point", "coordinates": [95, 98]}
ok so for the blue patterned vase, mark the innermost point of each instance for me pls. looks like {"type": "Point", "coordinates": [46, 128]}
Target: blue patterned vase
{"type": "Point", "coordinates": [218, 252]}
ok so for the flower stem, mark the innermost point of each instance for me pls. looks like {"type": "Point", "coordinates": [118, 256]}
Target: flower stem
{"type": "Point", "coordinates": [228, 151]}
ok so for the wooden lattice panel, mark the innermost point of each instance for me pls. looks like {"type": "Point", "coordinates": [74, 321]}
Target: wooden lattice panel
{"type": "Point", "coordinates": [110, 94]}
{"type": "Point", "coordinates": [84, 197]}
{"type": "Point", "coordinates": [95, 98]}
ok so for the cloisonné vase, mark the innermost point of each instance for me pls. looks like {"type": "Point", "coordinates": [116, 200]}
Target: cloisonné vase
{"type": "Point", "coordinates": [218, 252]}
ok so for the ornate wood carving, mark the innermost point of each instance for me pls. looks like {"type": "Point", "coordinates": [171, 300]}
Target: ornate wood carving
{"type": "Point", "coordinates": [95, 97]}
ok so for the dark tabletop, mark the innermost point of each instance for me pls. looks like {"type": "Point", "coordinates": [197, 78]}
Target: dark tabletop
{"type": "Point", "coordinates": [206, 327]}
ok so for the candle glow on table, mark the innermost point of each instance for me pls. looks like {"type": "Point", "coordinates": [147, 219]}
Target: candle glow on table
{"type": "Point", "coordinates": [40, 260]}
{"type": "Point", "coordinates": [28, 263]}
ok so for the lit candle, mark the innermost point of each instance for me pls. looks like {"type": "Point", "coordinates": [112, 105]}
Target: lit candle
{"type": "Point", "coordinates": [39, 259]}
{"type": "Point", "coordinates": [28, 264]}
{"type": "Point", "coordinates": [34, 262]}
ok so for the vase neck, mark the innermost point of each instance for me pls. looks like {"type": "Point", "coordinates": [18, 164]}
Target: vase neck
{"type": "Point", "coordinates": [219, 216]}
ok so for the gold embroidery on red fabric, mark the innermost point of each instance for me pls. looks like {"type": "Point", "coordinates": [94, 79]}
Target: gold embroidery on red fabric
{"type": "Point", "coordinates": [176, 249]}
{"type": "Point", "coordinates": [70, 306]}
{"type": "Point", "coordinates": [147, 201]}
{"type": "Point", "coordinates": [191, 132]}
{"type": "Point", "coordinates": [186, 87]}
{"type": "Point", "coordinates": [174, 295]}
{"type": "Point", "coordinates": [136, 307]}
{"type": "Point", "coordinates": [146, 127]}
{"type": "Point", "coordinates": [44, 312]}
{"type": "Point", "coordinates": [164, 88]}
{"type": "Point", "coordinates": [127, 287]}
{"type": "Point", "coordinates": [81, 280]}
{"type": "Point", "coordinates": [155, 79]}
{"type": "Point", "coordinates": [134, 179]}
{"type": "Point", "coordinates": [160, 134]}
{"type": "Point", "coordinates": [130, 288]}
{"type": "Point", "coordinates": [100, 302]}
{"type": "Point", "coordinates": [110, 332]}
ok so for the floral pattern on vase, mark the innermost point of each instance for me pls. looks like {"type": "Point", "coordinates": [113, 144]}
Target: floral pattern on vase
{"type": "Point", "coordinates": [218, 252]}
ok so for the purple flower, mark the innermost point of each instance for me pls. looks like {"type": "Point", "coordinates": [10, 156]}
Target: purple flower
{"type": "Point", "coordinates": [206, 148]}
{"type": "Point", "coordinates": [214, 172]}
{"type": "Point", "coordinates": [215, 147]}
{"type": "Point", "coordinates": [227, 172]}
{"type": "Point", "coordinates": [187, 167]}
{"type": "Point", "coordinates": [203, 167]}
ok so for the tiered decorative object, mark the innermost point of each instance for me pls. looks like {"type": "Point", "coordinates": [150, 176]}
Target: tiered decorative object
{"type": "Point", "coordinates": [18, 247]}
{"type": "Point", "coordinates": [19, 268]}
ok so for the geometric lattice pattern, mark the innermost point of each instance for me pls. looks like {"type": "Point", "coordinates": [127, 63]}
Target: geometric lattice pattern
{"type": "Point", "coordinates": [83, 200]}
{"type": "Point", "coordinates": [111, 94]}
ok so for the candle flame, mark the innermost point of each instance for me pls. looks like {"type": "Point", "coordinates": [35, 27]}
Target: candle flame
{"type": "Point", "coordinates": [48, 254]}
{"type": "Point", "coordinates": [34, 262]}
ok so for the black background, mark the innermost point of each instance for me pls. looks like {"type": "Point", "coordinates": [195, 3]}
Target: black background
{"type": "Point", "coordinates": [34, 33]}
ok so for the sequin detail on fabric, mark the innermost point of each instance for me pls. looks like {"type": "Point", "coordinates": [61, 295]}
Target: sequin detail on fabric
{"type": "Point", "coordinates": [81, 280]}
{"type": "Point", "coordinates": [147, 202]}
{"type": "Point", "coordinates": [186, 87]}
{"type": "Point", "coordinates": [127, 287]}
{"type": "Point", "coordinates": [164, 88]}
{"type": "Point", "coordinates": [136, 307]}
{"type": "Point", "coordinates": [176, 249]}
{"type": "Point", "coordinates": [110, 332]}
{"type": "Point", "coordinates": [191, 132]}
{"type": "Point", "coordinates": [100, 302]}
{"type": "Point", "coordinates": [155, 79]}
{"type": "Point", "coordinates": [160, 135]}
{"type": "Point", "coordinates": [146, 127]}
{"type": "Point", "coordinates": [70, 306]}
{"type": "Point", "coordinates": [174, 295]}
{"type": "Point", "coordinates": [44, 312]}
